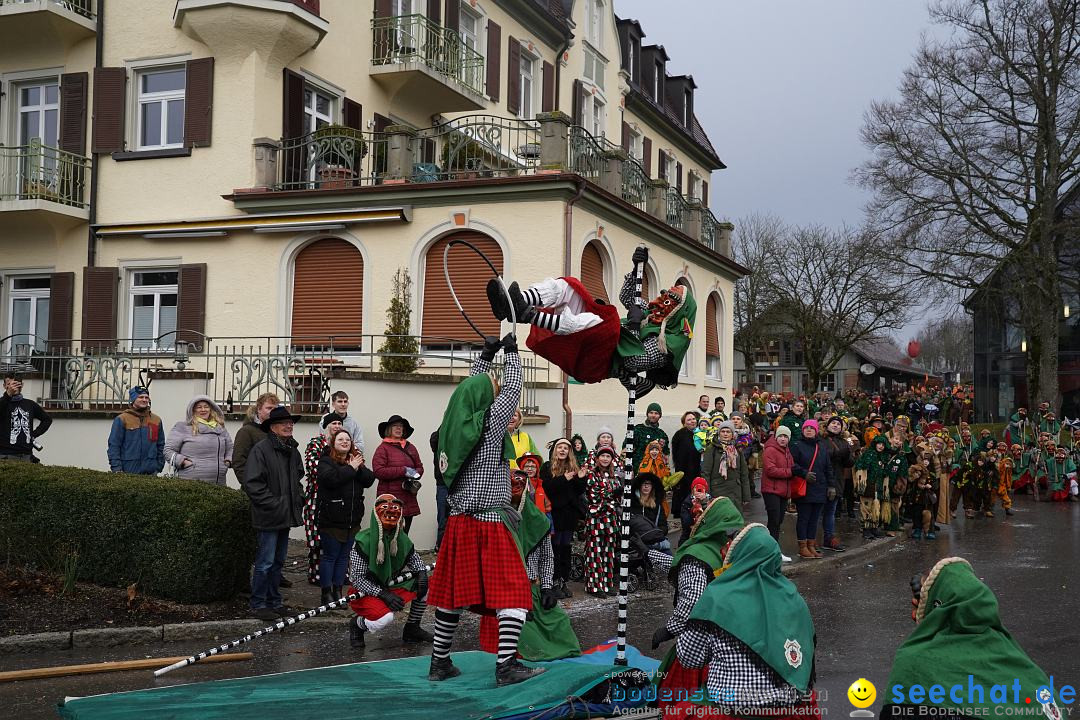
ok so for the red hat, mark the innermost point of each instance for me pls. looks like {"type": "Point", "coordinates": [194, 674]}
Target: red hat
{"type": "Point", "coordinates": [699, 482]}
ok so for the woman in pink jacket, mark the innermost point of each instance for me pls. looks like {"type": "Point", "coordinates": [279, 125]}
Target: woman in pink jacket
{"type": "Point", "coordinates": [397, 466]}
{"type": "Point", "coordinates": [777, 471]}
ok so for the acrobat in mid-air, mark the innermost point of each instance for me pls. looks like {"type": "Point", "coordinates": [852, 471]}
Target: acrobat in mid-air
{"type": "Point", "coordinates": [585, 336]}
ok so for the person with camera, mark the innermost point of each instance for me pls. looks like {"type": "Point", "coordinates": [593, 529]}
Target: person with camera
{"type": "Point", "coordinates": [340, 502]}
{"type": "Point", "coordinates": [17, 416]}
{"type": "Point", "coordinates": [811, 452]}
{"type": "Point", "coordinates": [398, 467]}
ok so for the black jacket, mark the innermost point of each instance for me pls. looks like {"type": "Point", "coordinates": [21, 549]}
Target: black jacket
{"type": "Point", "coordinates": [802, 451]}
{"type": "Point", "coordinates": [20, 442]}
{"type": "Point", "coordinates": [272, 482]}
{"type": "Point", "coordinates": [643, 518]}
{"type": "Point", "coordinates": [684, 455]}
{"type": "Point", "coordinates": [565, 495]}
{"type": "Point", "coordinates": [840, 456]}
{"type": "Point", "coordinates": [341, 493]}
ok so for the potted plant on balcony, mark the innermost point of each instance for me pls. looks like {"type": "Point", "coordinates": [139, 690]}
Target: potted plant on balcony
{"type": "Point", "coordinates": [339, 151]}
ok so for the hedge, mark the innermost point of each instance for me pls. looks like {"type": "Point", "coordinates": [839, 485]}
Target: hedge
{"type": "Point", "coordinates": [178, 539]}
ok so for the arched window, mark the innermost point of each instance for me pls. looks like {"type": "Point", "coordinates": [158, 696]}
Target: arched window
{"type": "Point", "coordinates": [592, 271]}
{"type": "Point", "coordinates": [442, 323]}
{"type": "Point", "coordinates": [325, 269]}
{"type": "Point", "coordinates": [713, 329]}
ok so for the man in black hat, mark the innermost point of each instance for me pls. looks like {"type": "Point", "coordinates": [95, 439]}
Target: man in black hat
{"type": "Point", "coordinates": [272, 482]}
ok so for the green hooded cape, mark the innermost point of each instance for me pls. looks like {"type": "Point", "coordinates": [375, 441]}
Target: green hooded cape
{"type": "Point", "coordinates": [678, 341]}
{"type": "Point", "coordinates": [463, 425]}
{"type": "Point", "coordinates": [752, 600]}
{"type": "Point", "coordinates": [367, 543]}
{"type": "Point", "coordinates": [532, 529]}
{"type": "Point", "coordinates": [709, 535]}
{"type": "Point", "coordinates": [959, 635]}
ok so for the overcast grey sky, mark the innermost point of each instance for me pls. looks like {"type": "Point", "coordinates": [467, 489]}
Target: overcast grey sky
{"type": "Point", "coordinates": [782, 87]}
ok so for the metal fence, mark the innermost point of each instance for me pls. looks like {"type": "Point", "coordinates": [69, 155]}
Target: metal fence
{"type": "Point", "coordinates": [415, 38]}
{"type": "Point", "coordinates": [299, 370]}
{"type": "Point", "coordinates": [82, 7]}
{"type": "Point", "coordinates": [40, 172]}
{"type": "Point", "coordinates": [678, 210]}
{"type": "Point", "coordinates": [332, 157]}
{"type": "Point", "coordinates": [476, 146]}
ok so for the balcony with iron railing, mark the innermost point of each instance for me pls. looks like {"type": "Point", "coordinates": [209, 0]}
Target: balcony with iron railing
{"type": "Point", "coordinates": [38, 178]}
{"type": "Point", "coordinates": [476, 147]}
{"type": "Point", "coordinates": [56, 23]}
{"type": "Point", "coordinates": [419, 61]}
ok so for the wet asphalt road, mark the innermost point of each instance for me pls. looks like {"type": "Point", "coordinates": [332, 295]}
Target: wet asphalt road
{"type": "Point", "coordinates": [861, 613]}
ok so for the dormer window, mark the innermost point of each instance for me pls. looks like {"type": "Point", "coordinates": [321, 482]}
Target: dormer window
{"type": "Point", "coordinates": [658, 83]}
{"type": "Point", "coordinates": [688, 99]}
{"type": "Point", "coordinates": [630, 60]}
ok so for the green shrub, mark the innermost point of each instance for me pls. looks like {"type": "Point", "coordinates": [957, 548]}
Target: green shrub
{"type": "Point", "coordinates": [177, 539]}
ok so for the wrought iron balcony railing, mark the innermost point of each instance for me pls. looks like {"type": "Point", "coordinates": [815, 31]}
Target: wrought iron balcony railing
{"type": "Point", "coordinates": [39, 172]}
{"type": "Point", "coordinates": [332, 157]}
{"type": "Point", "coordinates": [678, 209]}
{"type": "Point", "coordinates": [82, 7]}
{"type": "Point", "coordinates": [476, 146]}
{"type": "Point", "coordinates": [415, 38]}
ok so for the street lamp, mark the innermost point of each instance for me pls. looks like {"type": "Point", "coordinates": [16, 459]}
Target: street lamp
{"type": "Point", "coordinates": [1023, 346]}
{"type": "Point", "coordinates": [1066, 311]}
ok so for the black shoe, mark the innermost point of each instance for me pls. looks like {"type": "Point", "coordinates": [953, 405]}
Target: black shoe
{"type": "Point", "coordinates": [511, 671]}
{"type": "Point", "coordinates": [283, 611]}
{"type": "Point", "coordinates": [878, 533]}
{"type": "Point", "coordinates": [285, 582]}
{"type": "Point", "coordinates": [523, 310]}
{"type": "Point", "coordinates": [500, 308]}
{"type": "Point", "coordinates": [326, 596]}
{"type": "Point", "coordinates": [414, 633]}
{"type": "Point", "coordinates": [267, 614]}
{"type": "Point", "coordinates": [337, 592]}
{"type": "Point", "coordinates": [442, 669]}
{"type": "Point", "coordinates": [565, 591]}
{"type": "Point", "coordinates": [1009, 512]}
{"type": "Point", "coordinates": [356, 635]}
{"type": "Point", "coordinates": [868, 535]}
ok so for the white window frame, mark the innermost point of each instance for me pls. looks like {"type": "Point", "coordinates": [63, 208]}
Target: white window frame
{"type": "Point", "coordinates": [594, 23]}
{"type": "Point", "coordinates": [157, 291]}
{"type": "Point", "coordinates": [695, 186]}
{"type": "Point", "coordinates": [34, 295]}
{"type": "Point", "coordinates": [597, 124]}
{"type": "Point", "coordinates": [670, 165]}
{"type": "Point", "coordinates": [828, 383]}
{"type": "Point", "coordinates": [162, 98]}
{"type": "Point", "coordinates": [41, 108]}
{"type": "Point", "coordinates": [595, 70]}
{"type": "Point", "coordinates": [527, 90]}
{"type": "Point", "coordinates": [658, 78]}
{"type": "Point", "coordinates": [637, 146]}
{"type": "Point", "coordinates": [630, 58]}
{"type": "Point", "coordinates": [311, 111]}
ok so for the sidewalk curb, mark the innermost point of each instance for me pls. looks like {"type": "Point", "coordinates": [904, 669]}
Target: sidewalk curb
{"type": "Point", "coordinates": [222, 630]}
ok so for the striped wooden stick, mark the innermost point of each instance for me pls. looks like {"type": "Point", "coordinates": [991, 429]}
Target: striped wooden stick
{"type": "Point", "coordinates": [280, 625]}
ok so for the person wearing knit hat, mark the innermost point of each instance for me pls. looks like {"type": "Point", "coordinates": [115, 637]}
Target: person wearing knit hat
{"type": "Point", "coordinates": [585, 337]}
{"type": "Point", "coordinates": [724, 467]}
{"type": "Point", "coordinates": [692, 506]}
{"type": "Point", "coordinates": [382, 552]}
{"type": "Point", "coordinates": [648, 431]}
{"type": "Point", "coordinates": [137, 437]}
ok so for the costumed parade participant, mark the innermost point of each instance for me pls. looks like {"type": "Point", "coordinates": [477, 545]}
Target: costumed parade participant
{"type": "Point", "coordinates": [940, 460]}
{"type": "Point", "coordinates": [654, 462]}
{"type": "Point", "coordinates": [382, 551]}
{"type": "Point", "coordinates": [1061, 476]}
{"type": "Point", "coordinates": [546, 634]}
{"type": "Point", "coordinates": [922, 500]}
{"type": "Point", "coordinates": [752, 634]}
{"type": "Point", "coordinates": [692, 507]}
{"type": "Point", "coordinates": [872, 482]}
{"type": "Point", "coordinates": [603, 489]}
{"type": "Point", "coordinates": [479, 565]}
{"type": "Point", "coordinates": [960, 472]}
{"type": "Point", "coordinates": [331, 423]}
{"type": "Point", "coordinates": [585, 337]}
{"type": "Point", "coordinates": [1003, 489]}
{"type": "Point", "coordinates": [959, 641]}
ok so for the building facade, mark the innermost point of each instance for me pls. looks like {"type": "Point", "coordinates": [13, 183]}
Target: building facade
{"type": "Point", "coordinates": [216, 195]}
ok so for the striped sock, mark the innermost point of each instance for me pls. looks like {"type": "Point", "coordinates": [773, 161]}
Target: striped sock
{"type": "Point", "coordinates": [510, 623]}
{"type": "Point", "coordinates": [446, 622]}
{"type": "Point", "coordinates": [416, 612]}
{"type": "Point", "coordinates": [532, 296]}
{"type": "Point", "coordinates": [545, 320]}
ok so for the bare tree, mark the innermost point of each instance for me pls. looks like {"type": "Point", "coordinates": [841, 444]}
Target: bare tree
{"type": "Point", "coordinates": [948, 345]}
{"type": "Point", "coordinates": [757, 239]}
{"type": "Point", "coordinates": [971, 162]}
{"type": "Point", "coordinates": [833, 288]}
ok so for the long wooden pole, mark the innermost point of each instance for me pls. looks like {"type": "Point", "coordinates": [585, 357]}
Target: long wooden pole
{"type": "Point", "coordinates": [102, 667]}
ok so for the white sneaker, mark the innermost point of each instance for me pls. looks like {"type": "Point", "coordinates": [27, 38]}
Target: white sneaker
{"type": "Point", "coordinates": [784, 557]}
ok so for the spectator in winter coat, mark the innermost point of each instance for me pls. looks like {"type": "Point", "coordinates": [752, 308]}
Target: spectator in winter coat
{"type": "Point", "coordinates": [342, 480]}
{"type": "Point", "coordinates": [648, 431]}
{"type": "Point", "coordinates": [398, 467]}
{"type": "Point", "coordinates": [564, 484]}
{"type": "Point", "coordinates": [778, 467]}
{"type": "Point", "coordinates": [331, 423]}
{"type": "Point", "coordinates": [793, 419]}
{"type": "Point", "coordinates": [251, 433]}
{"type": "Point", "coordinates": [201, 448]}
{"type": "Point", "coordinates": [724, 467]}
{"type": "Point", "coordinates": [523, 443]}
{"type": "Point", "coordinates": [811, 452]}
{"type": "Point", "coordinates": [272, 483]}
{"type": "Point", "coordinates": [137, 439]}
{"type": "Point", "coordinates": [647, 512]}
{"type": "Point", "coordinates": [685, 456]}
{"type": "Point", "coordinates": [17, 417]}
{"type": "Point", "coordinates": [842, 458]}
{"type": "Point", "coordinates": [694, 504]}
{"type": "Point", "coordinates": [340, 401]}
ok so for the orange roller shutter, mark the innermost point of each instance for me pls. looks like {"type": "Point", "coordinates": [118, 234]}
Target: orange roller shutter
{"type": "Point", "coordinates": [470, 275]}
{"type": "Point", "coordinates": [592, 272]}
{"type": "Point", "coordinates": [712, 336]}
{"type": "Point", "coordinates": [328, 294]}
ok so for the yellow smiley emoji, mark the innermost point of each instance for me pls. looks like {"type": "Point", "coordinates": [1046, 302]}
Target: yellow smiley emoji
{"type": "Point", "coordinates": [862, 693]}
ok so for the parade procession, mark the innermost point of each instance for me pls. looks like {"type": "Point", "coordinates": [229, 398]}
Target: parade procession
{"type": "Point", "coordinates": [424, 358]}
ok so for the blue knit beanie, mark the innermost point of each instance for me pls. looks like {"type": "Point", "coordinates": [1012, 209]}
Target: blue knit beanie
{"type": "Point", "coordinates": [136, 392]}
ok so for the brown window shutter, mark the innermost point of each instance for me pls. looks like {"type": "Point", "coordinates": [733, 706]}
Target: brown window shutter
{"type": "Point", "coordinates": [626, 136]}
{"type": "Point", "coordinates": [513, 75]}
{"type": "Point", "coordinates": [712, 336]}
{"type": "Point", "coordinates": [61, 309]}
{"type": "Point", "coordinates": [441, 317]}
{"type": "Point", "coordinates": [314, 322]}
{"type": "Point", "coordinates": [292, 117]}
{"type": "Point", "coordinates": [101, 286]}
{"type": "Point", "coordinates": [73, 112]}
{"type": "Point", "coordinates": [646, 151]}
{"type": "Point", "coordinates": [576, 107]}
{"type": "Point", "coordinates": [191, 305]}
{"type": "Point", "coordinates": [678, 177]}
{"type": "Point", "coordinates": [434, 10]}
{"type": "Point", "coordinates": [452, 21]}
{"type": "Point", "coordinates": [352, 114]}
{"type": "Point", "coordinates": [548, 102]}
{"type": "Point", "coordinates": [705, 193]}
{"type": "Point", "coordinates": [494, 59]}
{"type": "Point", "coordinates": [592, 271]}
{"type": "Point", "coordinates": [383, 8]}
{"type": "Point", "coordinates": [110, 98]}
{"type": "Point", "coordinates": [199, 102]}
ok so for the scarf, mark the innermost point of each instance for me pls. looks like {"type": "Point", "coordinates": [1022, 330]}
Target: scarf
{"type": "Point", "coordinates": [211, 423]}
{"type": "Point", "coordinates": [393, 441]}
{"type": "Point", "coordinates": [384, 566]}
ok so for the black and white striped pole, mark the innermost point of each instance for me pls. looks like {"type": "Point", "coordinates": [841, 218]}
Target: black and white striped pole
{"type": "Point", "coordinates": [628, 478]}
{"type": "Point", "coordinates": [280, 625]}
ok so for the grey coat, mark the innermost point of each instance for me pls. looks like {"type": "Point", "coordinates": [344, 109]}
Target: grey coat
{"type": "Point", "coordinates": [210, 451]}
{"type": "Point", "coordinates": [737, 483]}
{"type": "Point", "coordinates": [272, 483]}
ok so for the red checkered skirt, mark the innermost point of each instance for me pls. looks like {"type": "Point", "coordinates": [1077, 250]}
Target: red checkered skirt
{"type": "Point", "coordinates": [679, 677]}
{"type": "Point", "coordinates": [370, 607]}
{"type": "Point", "coordinates": [479, 566]}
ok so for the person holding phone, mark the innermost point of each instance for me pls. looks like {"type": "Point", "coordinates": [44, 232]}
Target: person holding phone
{"type": "Point", "coordinates": [398, 467]}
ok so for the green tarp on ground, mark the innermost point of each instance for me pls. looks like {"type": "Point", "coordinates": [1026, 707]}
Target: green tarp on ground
{"type": "Point", "coordinates": [390, 688]}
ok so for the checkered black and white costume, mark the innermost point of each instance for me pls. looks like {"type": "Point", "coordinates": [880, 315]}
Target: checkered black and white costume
{"type": "Point", "coordinates": [653, 357]}
{"type": "Point", "coordinates": [540, 564]}
{"type": "Point", "coordinates": [694, 577]}
{"type": "Point", "coordinates": [736, 675]}
{"type": "Point", "coordinates": [358, 571]}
